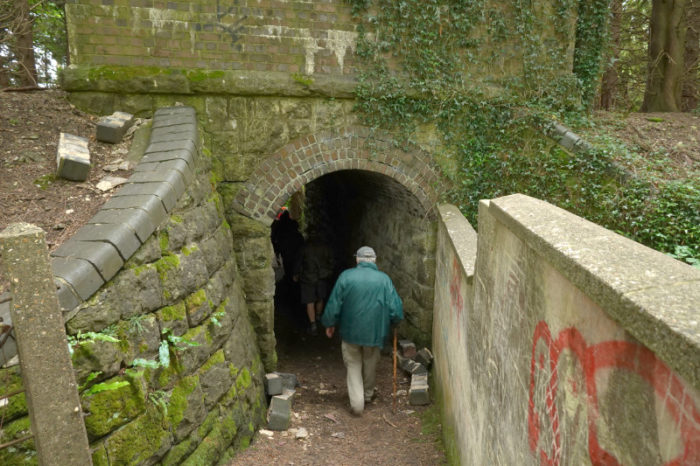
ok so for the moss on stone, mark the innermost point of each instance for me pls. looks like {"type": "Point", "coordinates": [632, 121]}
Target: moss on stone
{"type": "Point", "coordinates": [172, 313]}
{"type": "Point", "coordinates": [140, 440]}
{"type": "Point", "coordinates": [199, 75]}
{"type": "Point", "coordinates": [187, 250]}
{"type": "Point", "coordinates": [23, 453]}
{"type": "Point", "coordinates": [166, 263]}
{"type": "Point", "coordinates": [178, 399]}
{"type": "Point", "coordinates": [177, 453]}
{"type": "Point", "coordinates": [195, 300]}
{"type": "Point", "coordinates": [243, 380]}
{"type": "Point", "coordinates": [110, 409]}
{"type": "Point", "coordinates": [99, 455]}
{"type": "Point", "coordinates": [17, 404]}
{"type": "Point", "coordinates": [216, 358]}
{"type": "Point", "coordinates": [140, 269]}
{"type": "Point", "coordinates": [175, 218]}
{"type": "Point", "coordinates": [164, 241]}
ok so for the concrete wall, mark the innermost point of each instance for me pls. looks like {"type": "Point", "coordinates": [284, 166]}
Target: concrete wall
{"type": "Point", "coordinates": [559, 342]}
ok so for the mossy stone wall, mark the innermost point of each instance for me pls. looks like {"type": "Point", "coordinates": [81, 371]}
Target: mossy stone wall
{"type": "Point", "coordinates": [165, 354]}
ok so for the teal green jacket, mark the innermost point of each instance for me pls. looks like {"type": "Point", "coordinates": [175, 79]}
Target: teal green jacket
{"type": "Point", "coordinates": [363, 304]}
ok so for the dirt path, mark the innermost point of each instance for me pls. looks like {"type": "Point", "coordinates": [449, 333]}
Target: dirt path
{"type": "Point", "coordinates": [408, 437]}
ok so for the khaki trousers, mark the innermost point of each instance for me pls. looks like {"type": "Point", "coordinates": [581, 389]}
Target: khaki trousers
{"type": "Point", "coordinates": [361, 364]}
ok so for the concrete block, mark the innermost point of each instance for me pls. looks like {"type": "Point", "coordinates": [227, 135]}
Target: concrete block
{"type": "Point", "coordinates": [411, 366]}
{"type": "Point", "coordinates": [150, 204]}
{"type": "Point", "coordinates": [162, 156]}
{"type": "Point", "coordinates": [68, 299]}
{"type": "Point", "coordinates": [171, 145]}
{"type": "Point", "coordinates": [180, 111]}
{"type": "Point", "coordinates": [113, 127]}
{"type": "Point", "coordinates": [72, 158]}
{"type": "Point", "coordinates": [134, 218]}
{"type": "Point", "coordinates": [103, 256]}
{"type": "Point", "coordinates": [280, 412]}
{"type": "Point", "coordinates": [164, 191]}
{"type": "Point", "coordinates": [119, 236]}
{"type": "Point", "coordinates": [273, 384]}
{"type": "Point", "coordinates": [177, 164]}
{"type": "Point", "coordinates": [289, 381]}
{"type": "Point", "coordinates": [176, 132]}
{"type": "Point", "coordinates": [80, 274]}
{"type": "Point", "coordinates": [419, 394]}
{"type": "Point", "coordinates": [408, 348]}
{"type": "Point", "coordinates": [174, 177]}
{"type": "Point", "coordinates": [424, 357]}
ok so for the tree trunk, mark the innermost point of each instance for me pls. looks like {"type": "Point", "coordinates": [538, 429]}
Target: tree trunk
{"type": "Point", "coordinates": [690, 97]}
{"type": "Point", "coordinates": [608, 88]}
{"type": "Point", "coordinates": [666, 53]}
{"type": "Point", "coordinates": [24, 44]}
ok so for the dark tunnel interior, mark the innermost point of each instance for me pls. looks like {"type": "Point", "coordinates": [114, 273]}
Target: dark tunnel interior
{"type": "Point", "coordinates": [351, 208]}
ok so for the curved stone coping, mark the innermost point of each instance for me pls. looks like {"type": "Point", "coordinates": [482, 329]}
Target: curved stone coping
{"type": "Point", "coordinates": [98, 250]}
{"type": "Point", "coordinates": [651, 295]}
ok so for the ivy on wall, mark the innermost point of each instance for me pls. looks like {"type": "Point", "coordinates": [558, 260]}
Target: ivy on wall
{"type": "Point", "coordinates": [486, 75]}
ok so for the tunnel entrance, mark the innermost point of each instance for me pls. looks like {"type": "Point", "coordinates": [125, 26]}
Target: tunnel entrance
{"type": "Point", "coordinates": [364, 190]}
{"type": "Point", "coordinates": [352, 208]}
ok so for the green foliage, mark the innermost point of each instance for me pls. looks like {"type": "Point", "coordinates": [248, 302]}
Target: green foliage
{"type": "Point", "coordinates": [169, 343]}
{"type": "Point", "coordinates": [105, 386]}
{"type": "Point", "coordinates": [590, 31]}
{"type": "Point", "coordinates": [420, 64]}
{"type": "Point", "coordinates": [50, 42]}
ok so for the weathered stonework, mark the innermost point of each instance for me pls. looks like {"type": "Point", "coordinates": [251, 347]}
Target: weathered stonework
{"type": "Point", "coordinates": [565, 343]}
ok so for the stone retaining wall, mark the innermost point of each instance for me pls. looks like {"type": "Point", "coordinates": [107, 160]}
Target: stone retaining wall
{"type": "Point", "coordinates": [559, 342]}
{"type": "Point", "coordinates": [162, 344]}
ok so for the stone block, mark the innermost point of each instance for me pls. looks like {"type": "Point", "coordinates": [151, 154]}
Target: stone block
{"type": "Point", "coordinates": [172, 145]}
{"type": "Point", "coordinates": [411, 366]}
{"type": "Point", "coordinates": [164, 191]}
{"type": "Point", "coordinates": [164, 156]}
{"type": "Point", "coordinates": [419, 394]}
{"type": "Point", "coordinates": [150, 204]}
{"type": "Point", "coordinates": [113, 127]}
{"type": "Point", "coordinates": [289, 381]}
{"type": "Point", "coordinates": [172, 177]}
{"type": "Point", "coordinates": [103, 256]}
{"type": "Point", "coordinates": [408, 348]}
{"type": "Point", "coordinates": [280, 412]}
{"type": "Point", "coordinates": [424, 357]}
{"type": "Point", "coordinates": [72, 158]}
{"type": "Point", "coordinates": [176, 164]}
{"type": "Point", "coordinates": [68, 299]}
{"type": "Point", "coordinates": [121, 237]}
{"type": "Point", "coordinates": [134, 218]}
{"type": "Point", "coordinates": [273, 384]}
{"type": "Point", "coordinates": [79, 274]}
{"type": "Point", "coordinates": [175, 132]}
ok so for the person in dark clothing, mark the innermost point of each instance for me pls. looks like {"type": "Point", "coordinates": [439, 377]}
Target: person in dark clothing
{"type": "Point", "coordinates": [315, 275]}
{"type": "Point", "coordinates": [364, 304]}
{"type": "Point", "coordinates": [287, 242]}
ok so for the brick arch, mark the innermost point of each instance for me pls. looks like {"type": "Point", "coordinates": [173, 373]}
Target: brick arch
{"type": "Point", "coordinates": [351, 148]}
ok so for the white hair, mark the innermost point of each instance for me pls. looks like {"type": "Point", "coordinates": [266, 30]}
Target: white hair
{"type": "Point", "coordinates": [366, 259]}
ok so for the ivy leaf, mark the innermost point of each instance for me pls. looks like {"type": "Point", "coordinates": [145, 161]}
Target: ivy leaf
{"type": "Point", "coordinates": [164, 353]}
{"type": "Point", "coordinates": [140, 362]}
{"type": "Point", "coordinates": [103, 387]}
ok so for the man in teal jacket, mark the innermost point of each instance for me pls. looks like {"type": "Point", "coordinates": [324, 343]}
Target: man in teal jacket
{"type": "Point", "coordinates": [364, 303]}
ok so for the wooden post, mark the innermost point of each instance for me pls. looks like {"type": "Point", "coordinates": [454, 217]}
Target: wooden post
{"type": "Point", "coordinates": [47, 371]}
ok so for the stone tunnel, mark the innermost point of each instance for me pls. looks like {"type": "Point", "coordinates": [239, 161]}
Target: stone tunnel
{"type": "Point", "coordinates": [550, 331]}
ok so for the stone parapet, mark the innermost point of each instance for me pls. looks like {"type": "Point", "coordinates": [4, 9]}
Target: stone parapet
{"type": "Point", "coordinates": [96, 253]}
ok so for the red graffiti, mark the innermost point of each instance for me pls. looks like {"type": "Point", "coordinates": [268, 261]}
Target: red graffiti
{"type": "Point", "coordinates": [607, 355]}
{"type": "Point", "coordinates": [456, 292]}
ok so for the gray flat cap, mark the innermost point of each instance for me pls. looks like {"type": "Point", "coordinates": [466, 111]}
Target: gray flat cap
{"type": "Point", "coordinates": [366, 252]}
